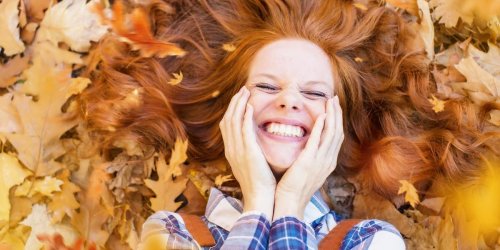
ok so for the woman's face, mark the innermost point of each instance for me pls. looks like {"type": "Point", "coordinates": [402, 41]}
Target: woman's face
{"type": "Point", "coordinates": [290, 81]}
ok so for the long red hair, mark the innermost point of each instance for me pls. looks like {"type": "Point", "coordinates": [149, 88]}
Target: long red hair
{"type": "Point", "coordinates": [380, 65]}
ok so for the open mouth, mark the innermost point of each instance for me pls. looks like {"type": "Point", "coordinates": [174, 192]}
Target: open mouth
{"type": "Point", "coordinates": [285, 130]}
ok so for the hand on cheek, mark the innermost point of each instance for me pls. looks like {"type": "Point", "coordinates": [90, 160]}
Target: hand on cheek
{"type": "Point", "coordinates": [247, 161]}
{"type": "Point", "coordinates": [313, 165]}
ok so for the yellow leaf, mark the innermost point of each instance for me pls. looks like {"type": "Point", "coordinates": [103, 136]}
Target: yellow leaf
{"type": "Point", "coordinates": [495, 117]}
{"type": "Point", "coordinates": [39, 221]}
{"type": "Point", "coordinates": [11, 174]}
{"type": "Point", "coordinates": [64, 202]}
{"type": "Point", "coordinates": [220, 179]}
{"type": "Point", "coordinates": [177, 78]}
{"type": "Point", "coordinates": [408, 5]}
{"type": "Point", "coordinates": [45, 187]}
{"type": "Point", "coordinates": [411, 195]}
{"type": "Point", "coordinates": [426, 27]}
{"type": "Point", "coordinates": [166, 188]}
{"type": "Point", "coordinates": [358, 59]}
{"type": "Point", "coordinates": [449, 11]}
{"type": "Point", "coordinates": [229, 47]}
{"type": "Point", "coordinates": [438, 105]}
{"type": "Point", "coordinates": [478, 77]}
{"type": "Point", "coordinates": [10, 40]}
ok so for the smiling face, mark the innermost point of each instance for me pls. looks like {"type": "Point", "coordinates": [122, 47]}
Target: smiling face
{"type": "Point", "coordinates": [290, 81]}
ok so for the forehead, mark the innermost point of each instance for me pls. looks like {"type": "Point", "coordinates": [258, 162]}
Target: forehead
{"type": "Point", "coordinates": [292, 60]}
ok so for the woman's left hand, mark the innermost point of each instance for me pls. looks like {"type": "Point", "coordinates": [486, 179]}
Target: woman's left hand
{"type": "Point", "coordinates": [311, 168]}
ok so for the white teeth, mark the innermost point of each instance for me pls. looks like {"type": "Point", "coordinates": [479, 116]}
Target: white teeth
{"type": "Point", "coordinates": [285, 130]}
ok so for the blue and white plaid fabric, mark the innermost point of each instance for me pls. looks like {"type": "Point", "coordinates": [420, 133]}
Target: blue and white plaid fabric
{"type": "Point", "coordinates": [233, 229]}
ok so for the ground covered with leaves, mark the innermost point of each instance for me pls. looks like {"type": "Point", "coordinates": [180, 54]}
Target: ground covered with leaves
{"type": "Point", "coordinates": [57, 190]}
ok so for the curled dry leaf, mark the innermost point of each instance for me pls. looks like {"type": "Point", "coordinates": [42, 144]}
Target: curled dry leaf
{"type": "Point", "coordinates": [138, 32]}
{"type": "Point", "coordinates": [177, 78]}
{"type": "Point", "coordinates": [10, 39]}
{"type": "Point", "coordinates": [11, 174]}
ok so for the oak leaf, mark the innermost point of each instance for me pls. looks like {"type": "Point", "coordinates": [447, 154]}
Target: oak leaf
{"type": "Point", "coordinates": [410, 191]}
{"type": "Point", "coordinates": [166, 187]}
{"type": "Point", "coordinates": [64, 202]}
{"type": "Point", "coordinates": [11, 174]}
{"type": "Point", "coordinates": [449, 12]}
{"type": "Point", "coordinates": [220, 179]}
{"type": "Point", "coordinates": [10, 39]}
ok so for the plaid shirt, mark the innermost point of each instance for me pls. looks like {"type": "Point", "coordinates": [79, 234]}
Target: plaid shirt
{"type": "Point", "coordinates": [233, 229]}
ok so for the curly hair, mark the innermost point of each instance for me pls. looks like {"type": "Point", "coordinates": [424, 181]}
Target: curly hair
{"type": "Point", "coordinates": [391, 131]}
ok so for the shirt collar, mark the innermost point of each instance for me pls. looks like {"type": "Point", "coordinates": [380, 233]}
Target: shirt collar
{"type": "Point", "coordinates": [223, 210]}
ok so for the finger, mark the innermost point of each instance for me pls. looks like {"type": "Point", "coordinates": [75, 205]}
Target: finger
{"type": "Point", "coordinates": [228, 136]}
{"type": "Point", "coordinates": [315, 136]}
{"type": "Point", "coordinates": [250, 139]}
{"type": "Point", "coordinates": [232, 103]}
{"type": "Point", "coordinates": [329, 131]}
{"type": "Point", "coordinates": [339, 135]}
{"type": "Point", "coordinates": [237, 119]}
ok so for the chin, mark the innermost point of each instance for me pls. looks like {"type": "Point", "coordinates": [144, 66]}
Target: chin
{"type": "Point", "coordinates": [280, 166]}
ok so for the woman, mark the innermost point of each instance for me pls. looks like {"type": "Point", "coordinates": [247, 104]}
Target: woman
{"type": "Point", "coordinates": [302, 76]}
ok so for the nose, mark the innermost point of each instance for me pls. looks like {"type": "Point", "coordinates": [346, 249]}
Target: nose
{"type": "Point", "coordinates": [289, 100]}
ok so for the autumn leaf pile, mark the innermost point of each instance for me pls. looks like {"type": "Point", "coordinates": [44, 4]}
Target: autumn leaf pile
{"type": "Point", "coordinates": [57, 190]}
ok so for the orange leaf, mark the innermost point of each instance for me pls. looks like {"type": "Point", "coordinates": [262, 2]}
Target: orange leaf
{"type": "Point", "coordinates": [438, 104]}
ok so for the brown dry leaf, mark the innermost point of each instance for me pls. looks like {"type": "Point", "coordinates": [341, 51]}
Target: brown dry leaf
{"type": "Point", "coordinates": [64, 202]}
{"type": "Point", "coordinates": [11, 174]}
{"type": "Point", "coordinates": [444, 235]}
{"type": "Point", "coordinates": [10, 39]}
{"type": "Point", "coordinates": [495, 117]}
{"type": "Point", "coordinates": [139, 34]}
{"type": "Point", "coordinates": [201, 182]}
{"type": "Point", "coordinates": [36, 9]}
{"type": "Point", "coordinates": [179, 156]}
{"type": "Point", "coordinates": [489, 61]}
{"type": "Point", "coordinates": [410, 191]}
{"type": "Point", "coordinates": [176, 79]}
{"type": "Point", "coordinates": [166, 188]}
{"type": "Point", "coordinates": [39, 221]}
{"type": "Point", "coordinates": [56, 242]}
{"type": "Point", "coordinates": [373, 206]}
{"type": "Point", "coordinates": [433, 204]}
{"type": "Point", "coordinates": [84, 28]}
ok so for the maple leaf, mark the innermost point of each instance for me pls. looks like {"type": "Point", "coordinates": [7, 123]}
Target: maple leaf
{"type": "Point", "coordinates": [12, 68]}
{"type": "Point", "coordinates": [177, 78]}
{"type": "Point", "coordinates": [39, 221]}
{"type": "Point", "coordinates": [9, 20]}
{"type": "Point", "coordinates": [166, 188]}
{"type": "Point", "coordinates": [410, 191]}
{"type": "Point", "coordinates": [139, 34]}
{"type": "Point", "coordinates": [409, 5]}
{"type": "Point", "coordinates": [477, 76]}
{"type": "Point", "coordinates": [11, 174]}
{"type": "Point", "coordinates": [426, 27]}
{"type": "Point", "coordinates": [44, 187]}
{"type": "Point", "coordinates": [71, 22]}
{"type": "Point", "coordinates": [438, 105]}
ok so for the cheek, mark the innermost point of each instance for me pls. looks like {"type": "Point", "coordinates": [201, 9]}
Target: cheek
{"type": "Point", "coordinates": [315, 109]}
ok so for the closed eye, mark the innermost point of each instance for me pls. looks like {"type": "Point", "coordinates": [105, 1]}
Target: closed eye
{"type": "Point", "coordinates": [266, 86]}
{"type": "Point", "coordinates": [315, 93]}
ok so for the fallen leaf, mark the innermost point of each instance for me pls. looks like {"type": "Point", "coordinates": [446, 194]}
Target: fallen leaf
{"type": "Point", "coordinates": [426, 27]}
{"type": "Point", "coordinates": [45, 187]}
{"type": "Point", "coordinates": [177, 78]}
{"type": "Point", "coordinates": [138, 35]}
{"type": "Point", "coordinates": [449, 11]}
{"type": "Point", "coordinates": [39, 221]}
{"type": "Point", "coordinates": [477, 76]}
{"type": "Point", "coordinates": [11, 174]}
{"type": "Point", "coordinates": [220, 179]}
{"type": "Point", "coordinates": [229, 47]}
{"type": "Point", "coordinates": [10, 39]}
{"type": "Point", "coordinates": [438, 105]}
{"type": "Point", "coordinates": [13, 68]}
{"type": "Point", "coordinates": [64, 202]}
{"type": "Point", "coordinates": [166, 188]}
{"type": "Point", "coordinates": [84, 28]}
{"type": "Point", "coordinates": [408, 5]}
{"type": "Point", "coordinates": [410, 191]}
{"type": "Point", "coordinates": [360, 6]}
{"type": "Point", "coordinates": [179, 156]}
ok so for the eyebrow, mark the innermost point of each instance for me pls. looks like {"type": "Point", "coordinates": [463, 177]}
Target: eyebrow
{"type": "Point", "coordinates": [274, 78]}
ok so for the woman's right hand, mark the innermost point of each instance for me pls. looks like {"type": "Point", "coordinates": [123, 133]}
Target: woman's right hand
{"type": "Point", "coordinates": [248, 164]}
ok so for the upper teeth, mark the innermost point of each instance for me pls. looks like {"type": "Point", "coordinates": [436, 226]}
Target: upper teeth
{"type": "Point", "coordinates": [285, 130]}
